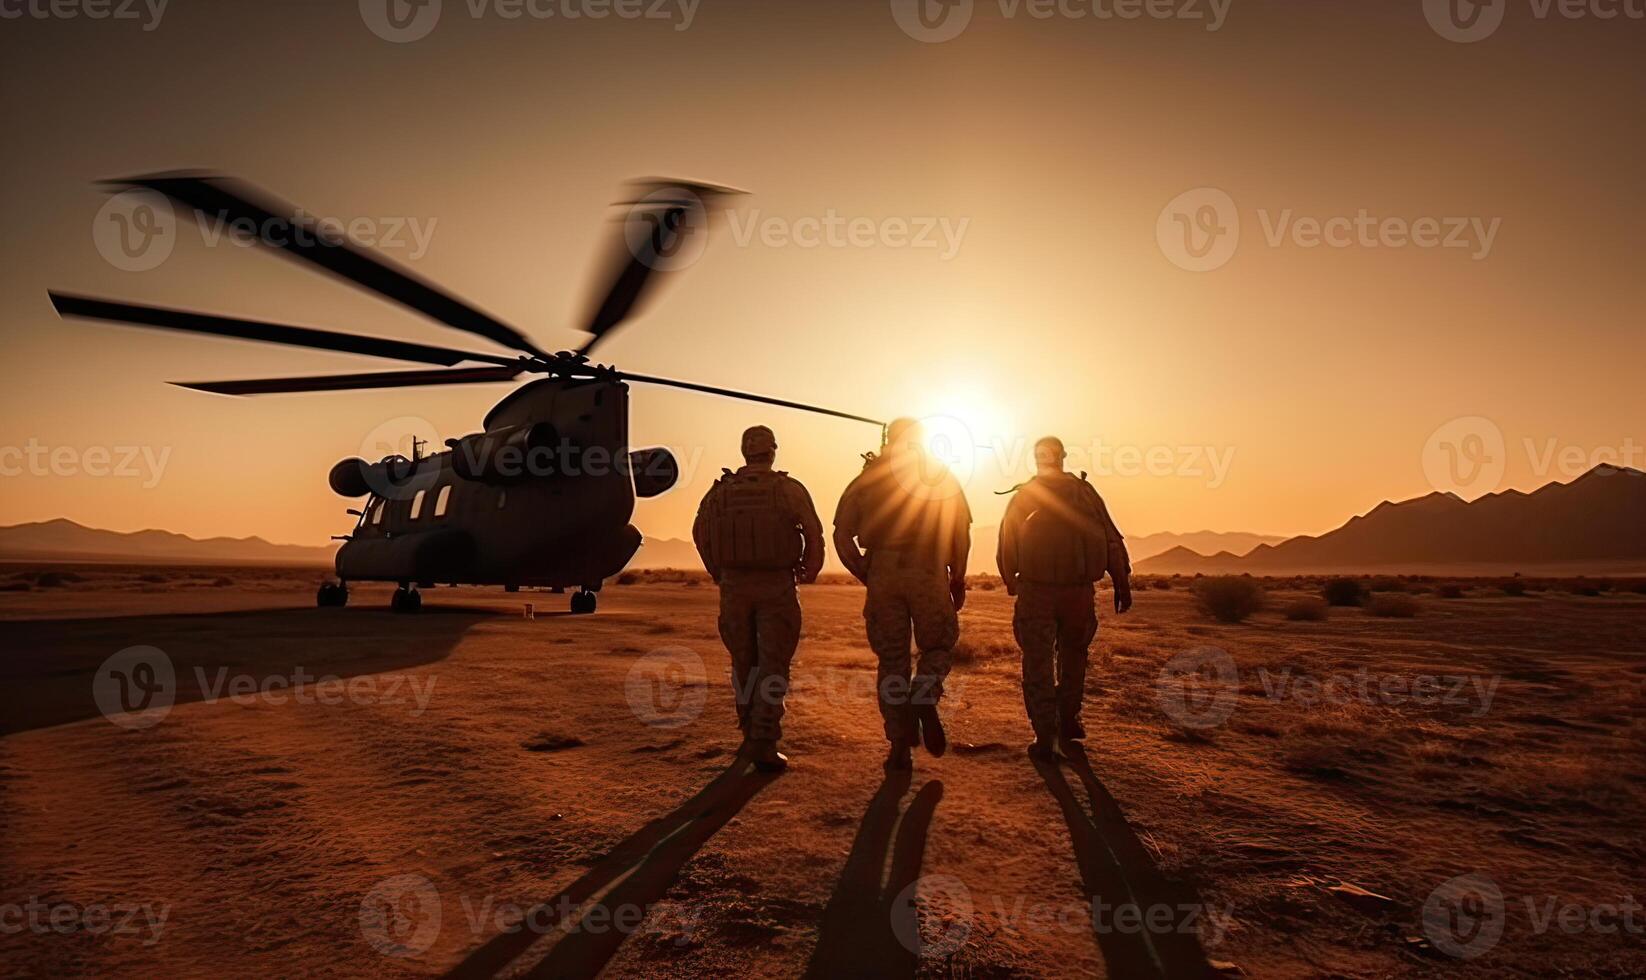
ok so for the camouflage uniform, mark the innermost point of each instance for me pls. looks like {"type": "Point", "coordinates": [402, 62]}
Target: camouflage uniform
{"type": "Point", "coordinates": [1055, 623]}
{"type": "Point", "coordinates": [914, 525]}
{"type": "Point", "coordinates": [759, 610]}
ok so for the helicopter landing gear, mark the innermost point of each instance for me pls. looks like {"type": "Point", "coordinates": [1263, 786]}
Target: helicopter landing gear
{"type": "Point", "coordinates": [583, 602]}
{"type": "Point", "coordinates": [332, 595]}
{"type": "Point", "coordinates": [406, 600]}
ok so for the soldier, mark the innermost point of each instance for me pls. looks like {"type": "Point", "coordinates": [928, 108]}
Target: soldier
{"type": "Point", "coordinates": [758, 534]}
{"type": "Point", "coordinates": [1056, 541]}
{"type": "Point", "coordinates": [909, 514]}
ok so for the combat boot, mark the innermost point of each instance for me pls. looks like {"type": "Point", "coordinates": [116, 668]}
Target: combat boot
{"type": "Point", "coordinates": [931, 730]}
{"type": "Point", "coordinates": [1071, 730]}
{"type": "Point", "coordinates": [766, 756]}
{"type": "Point", "coordinates": [900, 758]}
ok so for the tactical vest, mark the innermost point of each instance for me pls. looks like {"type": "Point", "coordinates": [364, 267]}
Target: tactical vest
{"type": "Point", "coordinates": [913, 511]}
{"type": "Point", "coordinates": [1063, 540]}
{"type": "Point", "coordinates": [749, 526]}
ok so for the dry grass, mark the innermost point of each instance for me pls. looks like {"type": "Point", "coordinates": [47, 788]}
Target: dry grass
{"type": "Point", "coordinates": [1307, 609]}
{"type": "Point", "coordinates": [1393, 606]}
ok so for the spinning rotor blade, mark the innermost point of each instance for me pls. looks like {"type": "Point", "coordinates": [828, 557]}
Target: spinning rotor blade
{"type": "Point", "coordinates": [278, 225]}
{"type": "Point", "coordinates": [351, 382]}
{"type": "Point", "coordinates": [659, 234]}
{"type": "Point", "coordinates": [90, 308]}
{"type": "Point", "coordinates": [707, 389]}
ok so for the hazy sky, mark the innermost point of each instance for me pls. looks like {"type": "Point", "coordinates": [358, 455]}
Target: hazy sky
{"type": "Point", "coordinates": [1006, 246]}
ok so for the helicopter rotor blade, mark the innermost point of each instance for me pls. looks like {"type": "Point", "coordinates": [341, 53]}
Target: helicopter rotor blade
{"type": "Point", "coordinates": [236, 203]}
{"type": "Point", "coordinates": [746, 396]}
{"type": "Point", "coordinates": [654, 237]}
{"type": "Point", "coordinates": [353, 382]}
{"type": "Point", "coordinates": [133, 314]}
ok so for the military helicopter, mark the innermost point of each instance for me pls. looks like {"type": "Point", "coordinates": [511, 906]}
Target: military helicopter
{"type": "Point", "coordinates": [543, 495]}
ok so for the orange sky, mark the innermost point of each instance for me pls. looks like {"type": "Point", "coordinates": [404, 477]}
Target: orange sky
{"type": "Point", "coordinates": [1049, 148]}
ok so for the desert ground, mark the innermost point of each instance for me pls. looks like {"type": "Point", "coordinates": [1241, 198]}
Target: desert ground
{"type": "Point", "coordinates": [469, 792]}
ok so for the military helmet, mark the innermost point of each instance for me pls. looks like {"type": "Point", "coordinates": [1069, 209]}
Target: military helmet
{"type": "Point", "coordinates": [758, 441]}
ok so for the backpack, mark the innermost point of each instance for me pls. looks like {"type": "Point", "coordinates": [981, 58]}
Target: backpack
{"type": "Point", "coordinates": [749, 525]}
{"type": "Point", "coordinates": [1063, 540]}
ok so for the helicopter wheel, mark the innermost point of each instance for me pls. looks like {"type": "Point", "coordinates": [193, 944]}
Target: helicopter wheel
{"type": "Point", "coordinates": [583, 602]}
{"type": "Point", "coordinates": [406, 600]}
{"type": "Point", "coordinates": [332, 594]}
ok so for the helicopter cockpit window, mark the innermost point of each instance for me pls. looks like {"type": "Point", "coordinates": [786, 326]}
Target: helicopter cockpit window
{"type": "Point", "coordinates": [417, 505]}
{"type": "Point", "coordinates": [441, 501]}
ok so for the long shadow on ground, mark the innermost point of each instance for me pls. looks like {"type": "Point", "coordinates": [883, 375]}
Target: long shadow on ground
{"type": "Point", "coordinates": [869, 930]}
{"type": "Point", "coordinates": [1118, 875]}
{"type": "Point", "coordinates": [48, 675]}
{"type": "Point", "coordinates": [638, 873]}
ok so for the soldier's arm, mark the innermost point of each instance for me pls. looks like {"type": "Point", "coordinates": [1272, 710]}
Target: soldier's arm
{"type": "Point", "coordinates": [811, 529]}
{"type": "Point", "coordinates": [845, 535]}
{"type": "Point", "coordinates": [1120, 562]}
{"type": "Point", "coordinates": [700, 536]}
{"type": "Point", "coordinates": [1005, 555]}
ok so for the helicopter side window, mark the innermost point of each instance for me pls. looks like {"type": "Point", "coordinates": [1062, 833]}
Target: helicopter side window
{"type": "Point", "coordinates": [441, 501]}
{"type": "Point", "coordinates": [377, 513]}
{"type": "Point", "coordinates": [417, 505]}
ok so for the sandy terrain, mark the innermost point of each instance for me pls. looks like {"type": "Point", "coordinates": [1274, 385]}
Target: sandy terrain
{"type": "Point", "coordinates": [469, 763]}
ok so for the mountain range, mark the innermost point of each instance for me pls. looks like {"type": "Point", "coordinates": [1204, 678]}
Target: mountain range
{"type": "Point", "coordinates": [1596, 523]}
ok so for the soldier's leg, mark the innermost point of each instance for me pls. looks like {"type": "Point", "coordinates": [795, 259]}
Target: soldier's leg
{"type": "Point", "coordinates": [1036, 629]}
{"type": "Point", "coordinates": [737, 631]}
{"type": "Point", "coordinates": [1076, 626]}
{"type": "Point", "coordinates": [936, 631]}
{"type": "Point", "coordinates": [777, 634]}
{"type": "Point", "coordinates": [886, 620]}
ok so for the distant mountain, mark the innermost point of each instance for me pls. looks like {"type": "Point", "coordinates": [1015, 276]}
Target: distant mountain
{"type": "Point", "coordinates": [1203, 542]}
{"type": "Point", "coordinates": [1596, 522]}
{"type": "Point", "coordinates": [64, 539]}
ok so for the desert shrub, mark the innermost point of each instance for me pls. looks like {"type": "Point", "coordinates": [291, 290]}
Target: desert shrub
{"type": "Point", "coordinates": [221, 582]}
{"type": "Point", "coordinates": [52, 580]}
{"type": "Point", "coordinates": [1229, 598]}
{"type": "Point", "coordinates": [1584, 589]}
{"type": "Point", "coordinates": [1307, 609]}
{"type": "Point", "coordinates": [1451, 591]}
{"type": "Point", "coordinates": [1386, 583]}
{"type": "Point", "coordinates": [1640, 588]}
{"type": "Point", "coordinates": [1162, 584]}
{"type": "Point", "coordinates": [1393, 606]}
{"type": "Point", "coordinates": [19, 586]}
{"type": "Point", "coordinates": [1514, 587]}
{"type": "Point", "coordinates": [628, 578]}
{"type": "Point", "coordinates": [971, 652]}
{"type": "Point", "coordinates": [153, 578]}
{"type": "Point", "coordinates": [1342, 592]}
